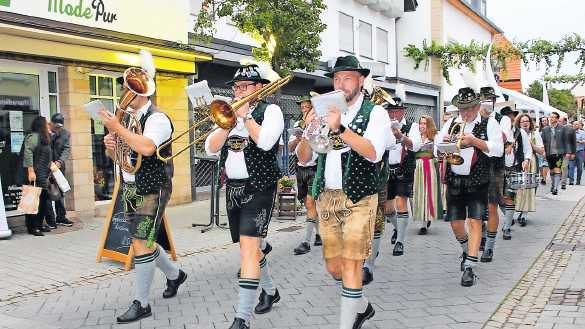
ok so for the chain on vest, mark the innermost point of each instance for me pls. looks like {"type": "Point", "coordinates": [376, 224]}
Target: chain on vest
{"type": "Point", "coordinates": [360, 177]}
{"type": "Point", "coordinates": [479, 173]}
{"type": "Point", "coordinates": [262, 165]}
{"type": "Point", "coordinates": [154, 174]}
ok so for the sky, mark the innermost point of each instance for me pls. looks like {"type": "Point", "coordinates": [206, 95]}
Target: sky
{"type": "Point", "coordinates": [523, 20]}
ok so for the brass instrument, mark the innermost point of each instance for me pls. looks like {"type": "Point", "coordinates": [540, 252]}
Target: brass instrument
{"type": "Point", "coordinates": [380, 96]}
{"type": "Point", "coordinates": [456, 158]}
{"type": "Point", "coordinates": [223, 115]}
{"type": "Point", "coordinates": [136, 83]}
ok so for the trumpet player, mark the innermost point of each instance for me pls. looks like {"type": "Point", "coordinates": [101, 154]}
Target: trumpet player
{"type": "Point", "coordinates": [145, 195]}
{"type": "Point", "coordinates": [467, 183]}
{"type": "Point", "coordinates": [305, 176]}
{"type": "Point", "coordinates": [248, 153]}
{"type": "Point", "coordinates": [345, 186]}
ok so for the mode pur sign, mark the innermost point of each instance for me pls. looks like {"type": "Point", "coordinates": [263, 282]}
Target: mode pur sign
{"type": "Point", "coordinates": [94, 11]}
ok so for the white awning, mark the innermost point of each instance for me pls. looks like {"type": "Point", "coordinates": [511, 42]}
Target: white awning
{"type": "Point", "coordinates": [530, 105]}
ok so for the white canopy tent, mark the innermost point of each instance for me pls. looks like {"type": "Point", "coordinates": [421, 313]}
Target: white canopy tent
{"type": "Point", "coordinates": [530, 105]}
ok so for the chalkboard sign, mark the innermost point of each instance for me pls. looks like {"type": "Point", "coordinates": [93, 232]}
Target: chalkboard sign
{"type": "Point", "coordinates": [116, 239]}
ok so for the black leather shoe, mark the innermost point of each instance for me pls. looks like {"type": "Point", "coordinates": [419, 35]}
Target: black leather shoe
{"type": "Point", "coordinates": [563, 187]}
{"type": "Point", "coordinates": [422, 231]}
{"type": "Point", "coordinates": [267, 249]}
{"type": "Point", "coordinates": [239, 324]}
{"type": "Point", "coordinates": [318, 241]}
{"type": "Point", "coordinates": [555, 192]}
{"type": "Point", "coordinates": [482, 243]}
{"type": "Point", "coordinates": [543, 182]}
{"type": "Point", "coordinates": [362, 317]}
{"type": "Point", "coordinates": [239, 273]}
{"type": "Point", "coordinates": [367, 276]}
{"type": "Point", "coordinates": [468, 278]}
{"type": "Point", "coordinates": [302, 249]}
{"type": "Point", "coordinates": [429, 224]}
{"type": "Point", "coordinates": [173, 285]}
{"type": "Point", "coordinates": [571, 183]}
{"type": "Point", "coordinates": [398, 249]}
{"type": "Point", "coordinates": [135, 313]}
{"type": "Point", "coordinates": [394, 236]}
{"type": "Point", "coordinates": [522, 221]}
{"type": "Point", "coordinates": [266, 301]}
{"type": "Point", "coordinates": [65, 222]}
{"type": "Point", "coordinates": [45, 229]}
{"type": "Point", "coordinates": [463, 258]}
{"type": "Point", "coordinates": [37, 233]}
{"type": "Point", "coordinates": [507, 234]}
{"type": "Point", "coordinates": [487, 255]}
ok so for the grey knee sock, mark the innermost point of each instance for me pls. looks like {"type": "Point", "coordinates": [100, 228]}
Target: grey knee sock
{"type": "Point", "coordinates": [352, 303]}
{"type": "Point", "coordinates": [509, 216]}
{"type": "Point", "coordinates": [311, 225]}
{"type": "Point", "coordinates": [463, 242]}
{"type": "Point", "coordinates": [262, 244]}
{"type": "Point", "coordinates": [371, 261]}
{"type": "Point", "coordinates": [246, 298]}
{"type": "Point", "coordinates": [470, 261]}
{"type": "Point", "coordinates": [266, 282]}
{"type": "Point", "coordinates": [144, 268]}
{"type": "Point", "coordinates": [391, 218]}
{"type": "Point", "coordinates": [491, 240]}
{"type": "Point", "coordinates": [316, 226]}
{"type": "Point", "coordinates": [402, 221]}
{"type": "Point", "coordinates": [163, 262]}
{"type": "Point", "coordinates": [556, 180]}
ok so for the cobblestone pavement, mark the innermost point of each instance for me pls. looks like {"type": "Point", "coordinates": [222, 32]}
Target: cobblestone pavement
{"type": "Point", "coordinates": [54, 282]}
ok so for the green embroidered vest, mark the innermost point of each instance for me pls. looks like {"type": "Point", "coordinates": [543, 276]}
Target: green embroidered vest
{"type": "Point", "coordinates": [262, 165]}
{"type": "Point", "coordinates": [360, 176]}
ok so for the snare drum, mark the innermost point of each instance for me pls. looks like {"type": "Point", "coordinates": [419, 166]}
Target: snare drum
{"type": "Point", "coordinates": [522, 181]}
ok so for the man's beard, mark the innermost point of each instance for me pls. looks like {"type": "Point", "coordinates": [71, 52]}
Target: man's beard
{"type": "Point", "coordinates": [353, 94]}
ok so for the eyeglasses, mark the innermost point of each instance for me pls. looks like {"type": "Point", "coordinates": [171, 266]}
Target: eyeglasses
{"type": "Point", "coordinates": [242, 87]}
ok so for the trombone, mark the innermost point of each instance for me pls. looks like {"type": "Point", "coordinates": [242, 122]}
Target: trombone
{"type": "Point", "coordinates": [222, 114]}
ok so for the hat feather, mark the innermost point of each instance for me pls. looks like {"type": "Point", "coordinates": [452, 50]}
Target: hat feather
{"type": "Point", "coordinates": [266, 71]}
{"type": "Point", "coordinates": [147, 62]}
{"type": "Point", "coordinates": [369, 84]}
{"type": "Point", "coordinates": [471, 79]}
{"type": "Point", "coordinates": [400, 92]}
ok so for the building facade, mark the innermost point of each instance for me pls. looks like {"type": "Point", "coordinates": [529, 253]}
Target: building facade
{"type": "Point", "coordinates": [57, 55]}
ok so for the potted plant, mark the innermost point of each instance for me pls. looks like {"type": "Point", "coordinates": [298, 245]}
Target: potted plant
{"type": "Point", "coordinates": [286, 184]}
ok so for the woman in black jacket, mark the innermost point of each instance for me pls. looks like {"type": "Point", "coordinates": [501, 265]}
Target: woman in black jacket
{"type": "Point", "coordinates": [37, 159]}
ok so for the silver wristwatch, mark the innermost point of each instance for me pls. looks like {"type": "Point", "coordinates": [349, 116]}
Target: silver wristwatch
{"type": "Point", "coordinates": [248, 116]}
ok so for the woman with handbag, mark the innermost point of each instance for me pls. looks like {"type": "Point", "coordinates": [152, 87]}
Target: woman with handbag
{"type": "Point", "coordinates": [37, 158]}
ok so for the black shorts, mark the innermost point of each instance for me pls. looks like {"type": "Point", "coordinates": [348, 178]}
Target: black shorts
{"type": "Point", "coordinates": [399, 187]}
{"type": "Point", "coordinates": [248, 214]}
{"type": "Point", "coordinates": [554, 161]}
{"type": "Point", "coordinates": [496, 185]}
{"type": "Point", "coordinates": [144, 212]}
{"type": "Point", "coordinates": [467, 204]}
{"type": "Point", "coordinates": [305, 176]}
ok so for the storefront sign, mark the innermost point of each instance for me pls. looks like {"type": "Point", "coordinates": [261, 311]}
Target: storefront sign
{"type": "Point", "coordinates": [12, 197]}
{"type": "Point", "coordinates": [129, 16]}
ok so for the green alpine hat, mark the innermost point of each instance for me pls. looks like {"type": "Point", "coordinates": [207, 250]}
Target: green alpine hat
{"type": "Point", "coordinates": [487, 94]}
{"type": "Point", "coordinates": [247, 73]}
{"type": "Point", "coordinates": [305, 98]}
{"type": "Point", "coordinates": [394, 107]}
{"type": "Point", "coordinates": [466, 98]}
{"type": "Point", "coordinates": [347, 63]}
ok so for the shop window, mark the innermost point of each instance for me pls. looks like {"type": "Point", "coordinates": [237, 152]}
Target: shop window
{"type": "Point", "coordinates": [53, 93]}
{"type": "Point", "coordinates": [19, 105]}
{"type": "Point", "coordinates": [105, 89]}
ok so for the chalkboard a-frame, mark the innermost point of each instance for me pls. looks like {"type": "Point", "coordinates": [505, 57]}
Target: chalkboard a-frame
{"type": "Point", "coordinates": [115, 239]}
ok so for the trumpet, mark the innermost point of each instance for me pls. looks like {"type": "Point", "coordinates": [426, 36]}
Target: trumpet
{"type": "Point", "coordinates": [455, 158]}
{"type": "Point", "coordinates": [221, 114]}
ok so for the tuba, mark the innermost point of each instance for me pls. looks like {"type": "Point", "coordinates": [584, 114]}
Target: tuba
{"type": "Point", "coordinates": [455, 158]}
{"type": "Point", "coordinates": [380, 96]}
{"type": "Point", "coordinates": [137, 82]}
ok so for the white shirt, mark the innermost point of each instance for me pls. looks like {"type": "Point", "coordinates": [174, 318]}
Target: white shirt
{"type": "Point", "coordinates": [395, 150]}
{"type": "Point", "coordinates": [157, 128]}
{"type": "Point", "coordinates": [509, 158]}
{"type": "Point", "coordinates": [378, 127]}
{"type": "Point", "coordinates": [505, 126]}
{"type": "Point", "coordinates": [311, 162]}
{"type": "Point", "coordinates": [494, 142]}
{"type": "Point", "coordinates": [270, 131]}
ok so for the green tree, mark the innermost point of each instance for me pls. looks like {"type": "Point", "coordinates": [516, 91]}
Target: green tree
{"type": "Point", "coordinates": [561, 99]}
{"type": "Point", "coordinates": [288, 30]}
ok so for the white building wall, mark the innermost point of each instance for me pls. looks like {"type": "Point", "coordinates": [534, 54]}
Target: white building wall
{"type": "Point", "coordinates": [414, 28]}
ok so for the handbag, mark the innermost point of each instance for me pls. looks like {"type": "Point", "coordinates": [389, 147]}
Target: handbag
{"type": "Point", "coordinates": [29, 201]}
{"type": "Point", "coordinates": [53, 190]}
{"type": "Point", "coordinates": [60, 179]}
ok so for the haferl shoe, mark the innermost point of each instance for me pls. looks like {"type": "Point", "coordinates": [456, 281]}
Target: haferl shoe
{"type": "Point", "coordinates": [135, 313]}
{"type": "Point", "coordinates": [487, 256]}
{"type": "Point", "coordinates": [266, 301]}
{"type": "Point", "coordinates": [302, 249]}
{"type": "Point", "coordinates": [482, 244]}
{"type": "Point", "coordinates": [468, 278]}
{"type": "Point", "coordinates": [318, 241]}
{"type": "Point", "coordinates": [394, 236]}
{"type": "Point", "coordinates": [398, 249]}
{"type": "Point", "coordinates": [522, 221]}
{"type": "Point", "coordinates": [45, 229]}
{"type": "Point", "coordinates": [571, 183]}
{"type": "Point", "coordinates": [555, 192]}
{"type": "Point", "coordinates": [173, 285]}
{"type": "Point", "coordinates": [507, 234]}
{"type": "Point", "coordinates": [65, 222]}
{"type": "Point", "coordinates": [463, 258]}
{"type": "Point", "coordinates": [563, 187]}
{"type": "Point", "coordinates": [267, 249]}
{"type": "Point", "coordinates": [362, 317]}
{"type": "Point", "coordinates": [422, 231]}
{"type": "Point", "coordinates": [367, 276]}
{"type": "Point", "coordinates": [239, 324]}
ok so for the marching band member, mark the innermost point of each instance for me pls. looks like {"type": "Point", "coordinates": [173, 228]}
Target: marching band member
{"type": "Point", "coordinates": [248, 154]}
{"type": "Point", "coordinates": [145, 196]}
{"type": "Point", "coordinates": [402, 163]}
{"type": "Point", "coordinates": [467, 183]}
{"type": "Point", "coordinates": [526, 199]}
{"type": "Point", "coordinates": [345, 187]}
{"type": "Point", "coordinates": [517, 159]}
{"type": "Point", "coordinates": [305, 176]}
{"type": "Point", "coordinates": [556, 148]}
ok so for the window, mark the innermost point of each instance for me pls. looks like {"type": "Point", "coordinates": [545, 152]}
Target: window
{"type": "Point", "coordinates": [365, 31]}
{"type": "Point", "coordinates": [382, 45]}
{"type": "Point", "coordinates": [345, 32]}
{"type": "Point", "coordinates": [53, 93]}
{"type": "Point", "coordinates": [107, 90]}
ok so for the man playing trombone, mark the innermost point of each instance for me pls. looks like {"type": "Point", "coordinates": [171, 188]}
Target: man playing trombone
{"type": "Point", "coordinates": [248, 152]}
